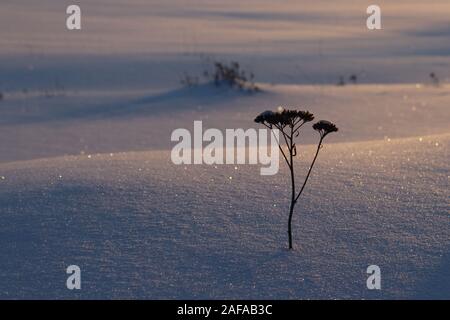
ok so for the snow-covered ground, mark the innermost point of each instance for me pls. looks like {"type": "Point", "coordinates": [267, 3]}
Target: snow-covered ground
{"type": "Point", "coordinates": [86, 176]}
{"type": "Point", "coordinates": [140, 227]}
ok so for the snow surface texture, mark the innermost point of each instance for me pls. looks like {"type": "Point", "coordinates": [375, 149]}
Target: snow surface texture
{"type": "Point", "coordinates": [140, 227]}
{"type": "Point", "coordinates": [86, 176]}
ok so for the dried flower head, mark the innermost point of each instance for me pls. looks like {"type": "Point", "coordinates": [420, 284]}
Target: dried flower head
{"type": "Point", "coordinates": [262, 117]}
{"type": "Point", "coordinates": [325, 127]}
{"type": "Point", "coordinates": [306, 116]}
{"type": "Point", "coordinates": [284, 117]}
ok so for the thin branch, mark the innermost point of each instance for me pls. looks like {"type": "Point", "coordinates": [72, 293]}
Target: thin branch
{"type": "Point", "coordinates": [310, 169]}
{"type": "Point", "coordinates": [279, 145]}
{"type": "Point", "coordinates": [282, 152]}
{"type": "Point", "coordinates": [296, 129]}
{"type": "Point", "coordinates": [286, 137]}
{"type": "Point", "coordinates": [297, 121]}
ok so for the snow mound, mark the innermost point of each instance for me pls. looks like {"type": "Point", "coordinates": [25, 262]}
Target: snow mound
{"type": "Point", "coordinates": [140, 227]}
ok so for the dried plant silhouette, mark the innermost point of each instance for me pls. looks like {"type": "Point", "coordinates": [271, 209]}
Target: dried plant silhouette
{"type": "Point", "coordinates": [434, 79]}
{"type": "Point", "coordinates": [233, 76]}
{"type": "Point", "coordinates": [289, 123]}
{"type": "Point", "coordinates": [227, 75]}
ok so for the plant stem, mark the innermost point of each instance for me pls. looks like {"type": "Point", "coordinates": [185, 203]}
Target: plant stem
{"type": "Point", "coordinates": [293, 200]}
{"type": "Point", "coordinates": [310, 168]}
{"type": "Point", "coordinates": [279, 146]}
{"type": "Point", "coordinates": [289, 139]}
